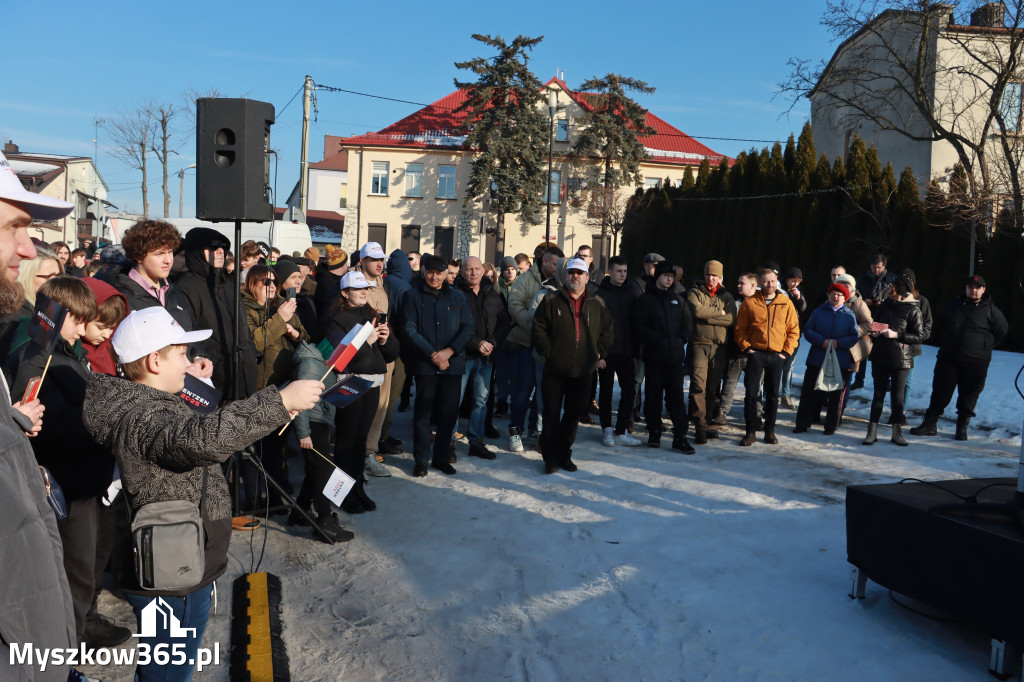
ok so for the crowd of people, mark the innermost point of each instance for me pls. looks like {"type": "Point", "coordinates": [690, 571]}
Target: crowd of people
{"type": "Point", "coordinates": [538, 340]}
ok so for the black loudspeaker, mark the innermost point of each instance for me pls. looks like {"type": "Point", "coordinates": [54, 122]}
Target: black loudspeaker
{"type": "Point", "coordinates": [232, 160]}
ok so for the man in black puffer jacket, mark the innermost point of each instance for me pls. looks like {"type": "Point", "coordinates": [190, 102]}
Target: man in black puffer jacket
{"type": "Point", "coordinates": [210, 293]}
{"type": "Point", "coordinates": [491, 324]}
{"type": "Point", "coordinates": [974, 326]}
{"type": "Point", "coordinates": [662, 322]}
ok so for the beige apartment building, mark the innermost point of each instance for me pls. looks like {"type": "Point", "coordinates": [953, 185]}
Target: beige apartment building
{"type": "Point", "coordinates": [405, 185]}
{"type": "Point", "coordinates": [955, 63]}
{"type": "Point", "coordinates": [69, 178]}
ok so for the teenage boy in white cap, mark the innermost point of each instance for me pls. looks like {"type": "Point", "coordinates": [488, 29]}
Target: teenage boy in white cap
{"type": "Point", "coordinates": [167, 451]}
{"type": "Point", "coordinates": [35, 602]}
{"type": "Point", "coordinates": [372, 260]}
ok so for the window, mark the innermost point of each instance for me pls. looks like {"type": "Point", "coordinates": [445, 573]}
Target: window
{"type": "Point", "coordinates": [379, 182]}
{"type": "Point", "coordinates": [552, 196]}
{"type": "Point", "coordinates": [446, 182]}
{"type": "Point", "coordinates": [650, 183]}
{"type": "Point", "coordinates": [414, 179]}
{"type": "Point", "coordinates": [562, 132]}
{"type": "Point", "coordinates": [1009, 107]}
{"type": "Point", "coordinates": [344, 197]}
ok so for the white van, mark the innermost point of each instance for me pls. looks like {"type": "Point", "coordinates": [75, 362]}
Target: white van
{"type": "Point", "coordinates": [287, 236]}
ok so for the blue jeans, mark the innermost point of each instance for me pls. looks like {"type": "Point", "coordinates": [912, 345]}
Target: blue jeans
{"type": "Point", "coordinates": [524, 379]}
{"type": "Point", "coordinates": [478, 371]}
{"type": "Point", "coordinates": [192, 611]}
{"type": "Point", "coordinates": [787, 375]}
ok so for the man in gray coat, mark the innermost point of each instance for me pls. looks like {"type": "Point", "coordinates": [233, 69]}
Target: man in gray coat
{"type": "Point", "coordinates": [35, 602]}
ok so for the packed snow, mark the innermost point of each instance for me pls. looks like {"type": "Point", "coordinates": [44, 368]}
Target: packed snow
{"type": "Point", "coordinates": [643, 565]}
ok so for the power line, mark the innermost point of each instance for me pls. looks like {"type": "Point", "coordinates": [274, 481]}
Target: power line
{"type": "Point", "coordinates": [330, 88]}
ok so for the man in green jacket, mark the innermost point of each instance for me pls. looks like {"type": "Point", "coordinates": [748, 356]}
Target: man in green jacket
{"type": "Point", "coordinates": [713, 313]}
{"type": "Point", "coordinates": [573, 331]}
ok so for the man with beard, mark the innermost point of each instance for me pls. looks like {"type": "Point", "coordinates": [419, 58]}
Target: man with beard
{"type": "Point", "coordinates": [35, 601]}
{"type": "Point", "coordinates": [210, 294]}
{"type": "Point", "coordinates": [573, 331]}
{"type": "Point", "coordinates": [714, 312]}
{"type": "Point", "coordinates": [974, 326]}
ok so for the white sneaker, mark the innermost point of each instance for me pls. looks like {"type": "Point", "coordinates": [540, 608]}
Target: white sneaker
{"type": "Point", "coordinates": [609, 437]}
{"type": "Point", "coordinates": [515, 443]}
{"type": "Point", "coordinates": [375, 468]}
{"type": "Point", "coordinates": [627, 439]}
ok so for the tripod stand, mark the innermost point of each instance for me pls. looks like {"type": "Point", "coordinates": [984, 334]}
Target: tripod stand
{"type": "Point", "coordinates": [247, 454]}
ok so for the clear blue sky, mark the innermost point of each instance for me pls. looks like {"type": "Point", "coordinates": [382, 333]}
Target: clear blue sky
{"type": "Point", "coordinates": [715, 66]}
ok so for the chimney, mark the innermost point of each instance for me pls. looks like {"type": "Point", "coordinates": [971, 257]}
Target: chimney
{"type": "Point", "coordinates": [989, 15]}
{"type": "Point", "coordinates": [10, 147]}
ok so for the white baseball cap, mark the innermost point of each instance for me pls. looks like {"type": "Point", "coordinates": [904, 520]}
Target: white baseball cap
{"type": "Point", "coordinates": [577, 264]}
{"type": "Point", "coordinates": [353, 279]}
{"type": "Point", "coordinates": [148, 330]}
{"type": "Point", "coordinates": [372, 250]}
{"type": "Point", "coordinates": [38, 206]}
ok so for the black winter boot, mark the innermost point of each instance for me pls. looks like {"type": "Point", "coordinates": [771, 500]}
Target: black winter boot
{"type": "Point", "coordinates": [928, 427]}
{"type": "Point", "coordinates": [368, 504]}
{"type": "Point", "coordinates": [872, 434]}
{"type": "Point", "coordinates": [680, 444]}
{"type": "Point", "coordinates": [961, 427]}
{"type": "Point", "coordinates": [897, 435]}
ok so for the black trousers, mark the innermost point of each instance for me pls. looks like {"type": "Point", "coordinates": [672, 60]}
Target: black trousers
{"type": "Point", "coordinates": [966, 378]}
{"type": "Point", "coordinates": [78, 539]}
{"type": "Point", "coordinates": [437, 402]}
{"type": "Point", "coordinates": [811, 401]}
{"type": "Point", "coordinates": [766, 365]}
{"type": "Point", "coordinates": [625, 368]}
{"type": "Point", "coordinates": [351, 424]}
{"type": "Point", "coordinates": [318, 471]}
{"type": "Point", "coordinates": [665, 379]}
{"type": "Point", "coordinates": [888, 380]}
{"type": "Point", "coordinates": [565, 401]}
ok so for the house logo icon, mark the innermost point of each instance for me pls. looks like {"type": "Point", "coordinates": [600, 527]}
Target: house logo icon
{"type": "Point", "coordinates": [160, 611]}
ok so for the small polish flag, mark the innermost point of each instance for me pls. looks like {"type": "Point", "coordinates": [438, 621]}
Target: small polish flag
{"type": "Point", "coordinates": [348, 346]}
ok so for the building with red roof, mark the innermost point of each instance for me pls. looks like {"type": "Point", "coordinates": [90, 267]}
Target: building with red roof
{"type": "Point", "coordinates": [406, 184]}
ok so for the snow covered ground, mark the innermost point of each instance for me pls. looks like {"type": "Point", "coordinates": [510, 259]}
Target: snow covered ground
{"type": "Point", "coordinates": [643, 565]}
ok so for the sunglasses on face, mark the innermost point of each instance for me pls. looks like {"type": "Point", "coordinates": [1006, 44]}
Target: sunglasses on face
{"type": "Point", "coordinates": [270, 282]}
{"type": "Point", "coordinates": [217, 245]}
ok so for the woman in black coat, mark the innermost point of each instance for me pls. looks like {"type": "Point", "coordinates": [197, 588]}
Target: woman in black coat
{"type": "Point", "coordinates": [892, 356]}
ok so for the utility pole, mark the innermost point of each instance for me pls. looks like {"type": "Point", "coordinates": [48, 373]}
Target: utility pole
{"type": "Point", "coordinates": [307, 95]}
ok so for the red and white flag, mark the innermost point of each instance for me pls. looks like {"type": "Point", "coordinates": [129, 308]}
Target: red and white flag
{"type": "Point", "coordinates": [348, 346]}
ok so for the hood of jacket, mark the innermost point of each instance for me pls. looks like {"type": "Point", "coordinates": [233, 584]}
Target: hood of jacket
{"type": "Point", "coordinates": [398, 266]}
{"type": "Point", "coordinates": [99, 356]}
{"type": "Point", "coordinates": [197, 264]}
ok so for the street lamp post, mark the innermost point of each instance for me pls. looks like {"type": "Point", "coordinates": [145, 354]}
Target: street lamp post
{"type": "Point", "coordinates": [552, 108]}
{"type": "Point", "coordinates": [181, 189]}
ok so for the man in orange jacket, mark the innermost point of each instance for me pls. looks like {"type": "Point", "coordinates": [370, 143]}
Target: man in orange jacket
{"type": "Point", "coordinates": [767, 331]}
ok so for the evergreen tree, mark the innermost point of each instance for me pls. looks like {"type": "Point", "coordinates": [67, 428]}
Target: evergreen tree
{"type": "Point", "coordinates": [506, 128]}
{"type": "Point", "coordinates": [611, 126]}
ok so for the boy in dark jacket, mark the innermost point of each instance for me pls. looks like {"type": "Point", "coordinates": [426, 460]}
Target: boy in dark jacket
{"type": "Point", "coordinates": [166, 451]}
{"type": "Point", "coordinates": [619, 297]}
{"type": "Point", "coordinates": [80, 466]}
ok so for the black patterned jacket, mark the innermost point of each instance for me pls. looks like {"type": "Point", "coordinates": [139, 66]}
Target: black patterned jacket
{"type": "Point", "coordinates": [162, 447]}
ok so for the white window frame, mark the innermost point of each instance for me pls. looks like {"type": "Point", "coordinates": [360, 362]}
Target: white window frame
{"type": "Point", "coordinates": [414, 179]}
{"type": "Point", "coordinates": [562, 130]}
{"type": "Point", "coordinates": [555, 181]}
{"type": "Point", "coordinates": [445, 181]}
{"type": "Point", "coordinates": [379, 178]}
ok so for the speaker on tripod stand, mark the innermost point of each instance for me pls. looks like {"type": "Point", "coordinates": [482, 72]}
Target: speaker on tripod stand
{"type": "Point", "coordinates": [233, 185]}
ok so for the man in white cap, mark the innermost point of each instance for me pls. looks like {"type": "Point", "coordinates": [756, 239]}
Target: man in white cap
{"type": "Point", "coordinates": [573, 331]}
{"type": "Point", "coordinates": [35, 601]}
